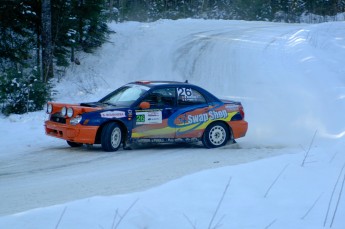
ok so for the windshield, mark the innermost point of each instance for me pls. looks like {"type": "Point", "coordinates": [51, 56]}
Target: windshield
{"type": "Point", "coordinates": [125, 96]}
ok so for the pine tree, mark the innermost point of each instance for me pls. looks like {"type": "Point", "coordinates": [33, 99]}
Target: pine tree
{"type": "Point", "coordinates": [47, 46]}
{"type": "Point", "coordinates": [16, 34]}
{"type": "Point", "coordinates": [55, 28]}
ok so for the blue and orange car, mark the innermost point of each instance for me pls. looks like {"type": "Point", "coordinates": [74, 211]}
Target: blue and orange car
{"type": "Point", "coordinates": [148, 111]}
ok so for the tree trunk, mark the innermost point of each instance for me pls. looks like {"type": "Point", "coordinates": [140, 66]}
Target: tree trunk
{"type": "Point", "coordinates": [47, 46]}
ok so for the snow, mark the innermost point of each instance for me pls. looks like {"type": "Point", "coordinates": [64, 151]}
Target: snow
{"type": "Point", "coordinates": [290, 79]}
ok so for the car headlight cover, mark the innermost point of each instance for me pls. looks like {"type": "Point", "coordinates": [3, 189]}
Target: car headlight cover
{"type": "Point", "coordinates": [75, 120]}
{"type": "Point", "coordinates": [63, 111]}
{"type": "Point", "coordinates": [49, 108]}
{"type": "Point", "coordinates": [70, 112]}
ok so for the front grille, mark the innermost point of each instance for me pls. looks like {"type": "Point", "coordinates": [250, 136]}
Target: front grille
{"type": "Point", "coordinates": [58, 118]}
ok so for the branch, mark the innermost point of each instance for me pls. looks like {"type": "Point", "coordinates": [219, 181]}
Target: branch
{"type": "Point", "coordinates": [338, 200]}
{"type": "Point", "coordinates": [311, 208]}
{"type": "Point", "coordinates": [190, 221]}
{"type": "Point", "coordinates": [281, 172]}
{"type": "Point", "coordinates": [331, 199]}
{"type": "Point", "coordinates": [61, 216]}
{"type": "Point", "coordinates": [124, 215]}
{"type": "Point", "coordinates": [219, 204]}
{"type": "Point", "coordinates": [269, 225]}
{"type": "Point", "coordinates": [307, 152]}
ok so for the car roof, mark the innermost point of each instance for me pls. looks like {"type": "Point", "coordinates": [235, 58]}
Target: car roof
{"type": "Point", "coordinates": [154, 83]}
{"type": "Point", "coordinates": [157, 84]}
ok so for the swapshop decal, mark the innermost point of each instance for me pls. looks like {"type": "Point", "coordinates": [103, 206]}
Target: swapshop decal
{"type": "Point", "coordinates": [212, 115]}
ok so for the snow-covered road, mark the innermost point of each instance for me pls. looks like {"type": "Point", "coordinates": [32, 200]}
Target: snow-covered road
{"type": "Point", "coordinates": [53, 175]}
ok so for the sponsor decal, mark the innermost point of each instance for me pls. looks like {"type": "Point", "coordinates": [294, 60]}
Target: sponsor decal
{"type": "Point", "coordinates": [197, 118]}
{"type": "Point", "coordinates": [130, 113]}
{"type": "Point", "coordinates": [186, 94]}
{"type": "Point", "coordinates": [149, 117]}
{"type": "Point", "coordinates": [113, 114]}
{"type": "Point", "coordinates": [164, 140]}
{"type": "Point", "coordinates": [232, 107]}
{"type": "Point", "coordinates": [212, 115]}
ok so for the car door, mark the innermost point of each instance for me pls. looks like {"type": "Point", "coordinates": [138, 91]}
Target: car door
{"type": "Point", "coordinates": [152, 123]}
{"type": "Point", "coordinates": [192, 115]}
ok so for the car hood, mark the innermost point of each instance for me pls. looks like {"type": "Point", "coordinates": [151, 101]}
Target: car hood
{"type": "Point", "coordinates": [77, 108]}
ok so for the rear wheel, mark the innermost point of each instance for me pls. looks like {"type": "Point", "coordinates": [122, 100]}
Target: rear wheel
{"type": "Point", "coordinates": [111, 137]}
{"type": "Point", "coordinates": [74, 144]}
{"type": "Point", "coordinates": [215, 135]}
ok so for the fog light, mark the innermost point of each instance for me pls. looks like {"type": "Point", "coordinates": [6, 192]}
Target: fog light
{"type": "Point", "coordinates": [70, 112]}
{"type": "Point", "coordinates": [64, 111]}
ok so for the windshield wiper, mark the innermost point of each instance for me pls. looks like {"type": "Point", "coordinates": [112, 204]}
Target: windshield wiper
{"type": "Point", "coordinates": [109, 103]}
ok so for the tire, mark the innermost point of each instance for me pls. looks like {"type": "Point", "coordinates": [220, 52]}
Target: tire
{"type": "Point", "coordinates": [74, 144]}
{"type": "Point", "coordinates": [111, 137]}
{"type": "Point", "coordinates": [215, 135]}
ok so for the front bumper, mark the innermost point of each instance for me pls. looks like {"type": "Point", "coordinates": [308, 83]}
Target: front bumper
{"type": "Point", "coordinates": [78, 133]}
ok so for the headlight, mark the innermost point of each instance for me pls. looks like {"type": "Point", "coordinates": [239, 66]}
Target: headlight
{"type": "Point", "coordinates": [64, 111]}
{"type": "Point", "coordinates": [49, 108]}
{"type": "Point", "coordinates": [70, 112]}
{"type": "Point", "coordinates": [75, 120]}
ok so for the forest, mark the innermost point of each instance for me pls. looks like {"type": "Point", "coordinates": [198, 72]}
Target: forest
{"type": "Point", "coordinates": [39, 39]}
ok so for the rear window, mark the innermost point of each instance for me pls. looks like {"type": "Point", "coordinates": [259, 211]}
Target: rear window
{"type": "Point", "coordinates": [189, 96]}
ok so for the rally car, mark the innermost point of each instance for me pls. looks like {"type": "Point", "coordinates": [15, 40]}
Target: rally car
{"type": "Point", "coordinates": [148, 111]}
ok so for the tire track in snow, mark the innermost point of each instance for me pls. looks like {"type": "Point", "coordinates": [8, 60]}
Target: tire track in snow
{"type": "Point", "coordinates": [54, 176]}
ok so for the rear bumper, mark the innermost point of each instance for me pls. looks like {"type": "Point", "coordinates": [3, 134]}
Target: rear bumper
{"type": "Point", "coordinates": [239, 128]}
{"type": "Point", "coordinates": [77, 133]}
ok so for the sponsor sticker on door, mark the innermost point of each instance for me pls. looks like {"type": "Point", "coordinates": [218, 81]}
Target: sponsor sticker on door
{"type": "Point", "coordinates": [149, 117]}
{"type": "Point", "coordinates": [113, 114]}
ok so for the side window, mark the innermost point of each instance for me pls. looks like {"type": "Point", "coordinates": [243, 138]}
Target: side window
{"type": "Point", "coordinates": [188, 97]}
{"type": "Point", "coordinates": [161, 97]}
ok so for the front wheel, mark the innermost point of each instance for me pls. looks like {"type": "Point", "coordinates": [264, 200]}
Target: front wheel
{"type": "Point", "coordinates": [215, 135]}
{"type": "Point", "coordinates": [111, 137]}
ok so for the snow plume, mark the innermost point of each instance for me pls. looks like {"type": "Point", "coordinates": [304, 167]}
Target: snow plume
{"type": "Point", "coordinates": [284, 74]}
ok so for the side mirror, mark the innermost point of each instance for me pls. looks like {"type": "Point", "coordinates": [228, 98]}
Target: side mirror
{"type": "Point", "coordinates": [144, 105]}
